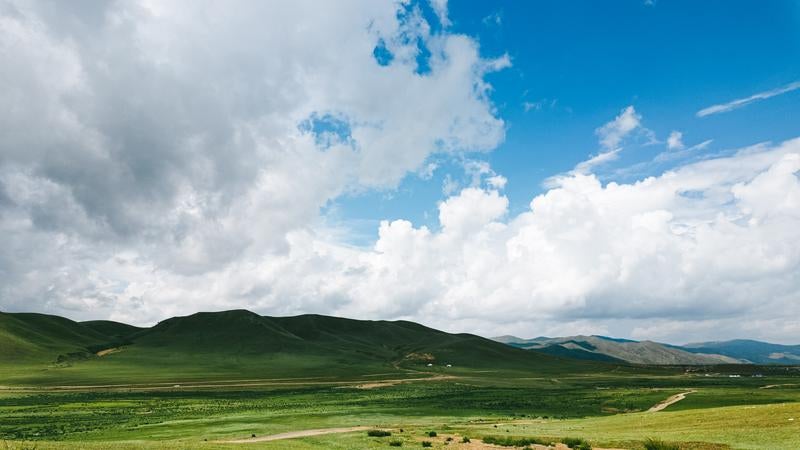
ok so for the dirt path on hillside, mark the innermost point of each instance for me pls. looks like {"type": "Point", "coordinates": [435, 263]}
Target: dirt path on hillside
{"type": "Point", "coordinates": [772, 386]}
{"type": "Point", "coordinates": [670, 401]}
{"type": "Point", "coordinates": [296, 434]}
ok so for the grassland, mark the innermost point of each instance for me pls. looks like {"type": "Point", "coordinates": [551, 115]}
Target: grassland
{"type": "Point", "coordinates": [721, 415]}
{"type": "Point", "coordinates": [182, 386]}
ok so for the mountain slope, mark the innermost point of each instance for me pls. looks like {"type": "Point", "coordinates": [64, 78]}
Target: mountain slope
{"type": "Point", "coordinates": [749, 350]}
{"type": "Point", "coordinates": [610, 349]}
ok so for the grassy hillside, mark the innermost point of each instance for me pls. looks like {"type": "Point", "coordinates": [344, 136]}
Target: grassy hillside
{"type": "Point", "coordinates": [240, 344]}
{"type": "Point", "coordinates": [111, 328]}
{"type": "Point", "coordinates": [39, 338]}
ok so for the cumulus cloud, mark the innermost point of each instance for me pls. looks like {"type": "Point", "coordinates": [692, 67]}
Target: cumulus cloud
{"type": "Point", "coordinates": [190, 137]}
{"type": "Point", "coordinates": [181, 155]}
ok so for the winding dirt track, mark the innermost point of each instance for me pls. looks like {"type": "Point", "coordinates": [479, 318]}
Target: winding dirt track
{"type": "Point", "coordinates": [669, 401]}
{"type": "Point", "coordinates": [296, 434]}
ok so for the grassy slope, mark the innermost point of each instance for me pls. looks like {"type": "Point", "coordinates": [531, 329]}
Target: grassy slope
{"type": "Point", "coordinates": [111, 328]}
{"type": "Point", "coordinates": [241, 344]}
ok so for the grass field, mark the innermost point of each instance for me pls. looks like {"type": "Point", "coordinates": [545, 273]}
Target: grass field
{"type": "Point", "coordinates": [204, 380]}
{"type": "Point", "coordinates": [607, 411]}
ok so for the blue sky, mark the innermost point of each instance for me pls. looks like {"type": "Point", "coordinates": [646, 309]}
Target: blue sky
{"type": "Point", "coordinates": [577, 64]}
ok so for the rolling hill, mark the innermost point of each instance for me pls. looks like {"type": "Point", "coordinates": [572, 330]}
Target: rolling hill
{"type": "Point", "coordinates": [37, 348]}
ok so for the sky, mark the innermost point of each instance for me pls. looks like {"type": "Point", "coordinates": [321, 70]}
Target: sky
{"type": "Point", "coordinates": [530, 168]}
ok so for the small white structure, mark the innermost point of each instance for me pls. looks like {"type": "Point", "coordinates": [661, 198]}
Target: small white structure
{"type": "Point", "coordinates": [449, 365]}
{"type": "Point", "coordinates": [430, 365]}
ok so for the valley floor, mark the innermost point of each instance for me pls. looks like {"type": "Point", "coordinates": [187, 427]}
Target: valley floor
{"type": "Point", "coordinates": [608, 411]}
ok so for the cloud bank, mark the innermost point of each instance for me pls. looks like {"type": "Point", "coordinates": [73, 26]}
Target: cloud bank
{"type": "Point", "coordinates": [160, 159]}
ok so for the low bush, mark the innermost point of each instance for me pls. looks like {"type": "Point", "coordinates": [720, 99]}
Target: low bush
{"type": "Point", "coordinates": [395, 444]}
{"type": "Point", "coordinates": [378, 433]}
{"type": "Point", "coordinates": [576, 443]}
{"type": "Point", "coordinates": [657, 444]}
{"type": "Point", "coordinates": [431, 434]}
{"type": "Point", "coordinates": [508, 441]}
{"type": "Point", "coordinates": [465, 440]}
{"type": "Point", "coordinates": [427, 444]}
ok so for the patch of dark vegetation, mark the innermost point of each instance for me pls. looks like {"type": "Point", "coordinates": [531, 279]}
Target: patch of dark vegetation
{"type": "Point", "coordinates": [576, 443]}
{"type": "Point", "coordinates": [658, 444]}
{"type": "Point", "coordinates": [379, 433]}
{"type": "Point", "coordinates": [427, 444]}
{"type": "Point", "coordinates": [395, 444]}
{"type": "Point", "coordinates": [72, 357]}
{"type": "Point", "coordinates": [509, 441]}
{"type": "Point", "coordinates": [431, 434]}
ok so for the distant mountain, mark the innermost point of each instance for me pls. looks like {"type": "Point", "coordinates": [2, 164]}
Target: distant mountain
{"type": "Point", "coordinates": [755, 352]}
{"type": "Point", "coordinates": [241, 344]}
{"type": "Point", "coordinates": [602, 348]}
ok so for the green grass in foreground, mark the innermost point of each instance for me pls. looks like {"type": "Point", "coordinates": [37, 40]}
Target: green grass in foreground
{"type": "Point", "coordinates": [549, 409]}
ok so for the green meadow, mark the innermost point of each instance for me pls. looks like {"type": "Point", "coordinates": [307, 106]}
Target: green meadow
{"type": "Point", "coordinates": [207, 380]}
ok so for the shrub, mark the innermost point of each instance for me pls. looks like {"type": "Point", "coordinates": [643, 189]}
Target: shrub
{"type": "Point", "coordinates": [465, 440]}
{"type": "Point", "coordinates": [657, 444]}
{"type": "Point", "coordinates": [378, 433]}
{"type": "Point", "coordinates": [576, 443]}
{"type": "Point", "coordinates": [508, 441]}
{"type": "Point", "coordinates": [427, 444]}
{"type": "Point", "coordinates": [395, 444]}
{"type": "Point", "coordinates": [431, 434]}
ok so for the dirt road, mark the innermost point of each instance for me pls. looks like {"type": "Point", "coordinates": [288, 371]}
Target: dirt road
{"type": "Point", "coordinates": [670, 401]}
{"type": "Point", "coordinates": [296, 434]}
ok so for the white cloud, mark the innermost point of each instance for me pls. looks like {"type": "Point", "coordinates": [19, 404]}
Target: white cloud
{"type": "Point", "coordinates": [497, 182]}
{"type": "Point", "coordinates": [192, 138]}
{"type": "Point", "coordinates": [711, 241]}
{"type": "Point", "coordinates": [164, 182]}
{"type": "Point", "coordinates": [440, 8]}
{"type": "Point", "coordinates": [675, 141]}
{"type": "Point", "coordinates": [612, 133]}
{"type": "Point", "coordinates": [611, 136]}
{"type": "Point", "coordinates": [585, 167]}
{"type": "Point", "coordinates": [738, 103]}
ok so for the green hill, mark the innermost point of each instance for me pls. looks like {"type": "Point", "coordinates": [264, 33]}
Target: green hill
{"type": "Point", "coordinates": [240, 344]}
{"type": "Point", "coordinates": [111, 328]}
{"type": "Point", "coordinates": [27, 338]}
